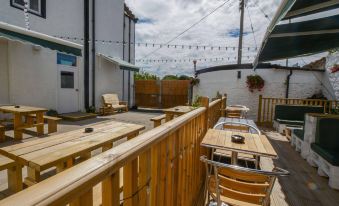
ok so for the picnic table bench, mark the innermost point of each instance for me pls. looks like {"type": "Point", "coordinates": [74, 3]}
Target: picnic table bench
{"type": "Point", "coordinates": [52, 122]}
{"type": "Point", "coordinates": [23, 111]}
{"type": "Point", "coordinates": [157, 120]}
{"type": "Point", "coordinates": [177, 111]}
{"type": "Point", "coordinates": [60, 150]}
{"type": "Point", "coordinates": [13, 179]}
{"type": "Point", "coordinates": [2, 133]}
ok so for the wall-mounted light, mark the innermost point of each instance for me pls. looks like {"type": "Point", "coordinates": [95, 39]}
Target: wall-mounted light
{"type": "Point", "coordinates": [239, 74]}
{"type": "Point", "coordinates": [36, 48]}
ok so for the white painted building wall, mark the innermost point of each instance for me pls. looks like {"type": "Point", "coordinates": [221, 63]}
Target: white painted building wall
{"type": "Point", "coordinates": [4, 84]}
{"type": "Point", "coordinates": [31, 76]}
{"type": "Point", "coordinates": [108, 79]}
{"type": "Point", "coordinates": [65, 18]}
{"type": "Point", "coordinates": [303, 84]}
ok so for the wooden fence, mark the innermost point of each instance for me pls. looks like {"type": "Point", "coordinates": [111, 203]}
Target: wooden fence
{"type": "Point", "coordinates": [161, 94]}
{"type": "Point", "coordinates": [216, 110]}
{"type": "Point", "coordinates": [266, 107]}
{"type": "Point", "coordinates": [160, 167]}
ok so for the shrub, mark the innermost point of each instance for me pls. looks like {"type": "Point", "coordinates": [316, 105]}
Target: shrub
{"type": "Point", "coordinates": [145, 76]}
{"type": "Point", "coordinates": [91, 109]}
{"type": "Point", "coordinates": [52, 113]}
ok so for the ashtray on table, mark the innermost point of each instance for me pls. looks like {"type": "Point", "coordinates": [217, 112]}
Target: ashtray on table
{"type": "Point", "coordinates": [88, 130]}
{"type": "Point", "coordinates": [238, 139]}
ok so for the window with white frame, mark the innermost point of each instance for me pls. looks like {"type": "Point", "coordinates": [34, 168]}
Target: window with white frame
{"type": "Point", "coordinates": [36, 7]}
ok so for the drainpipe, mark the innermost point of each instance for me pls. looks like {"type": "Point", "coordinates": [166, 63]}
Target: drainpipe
{"type": "Point", "coordinates": [288, 83]}
{"type": "Point", "coordinates": [129, 60]}
{"type": "Point", "coordinates": [86, 53]}
{"type": "Point", "coordinates": [123, 58]}
{"type": "Point", "coordinates": [134, 23]}
{"type": "Point", "coordinates": [93, 52]}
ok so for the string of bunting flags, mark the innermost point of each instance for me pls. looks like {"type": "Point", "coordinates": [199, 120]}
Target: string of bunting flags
{"type": "Point", "coordinates": [190, 59]}
{"type": "Point", "coordinates": [175, 46]}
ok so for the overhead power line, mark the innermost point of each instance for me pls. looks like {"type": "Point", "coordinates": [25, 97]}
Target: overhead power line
{"type": "Point", "coordinates": [193, 25]}
{"type": "Point", "coordinates": [262, 11]}
{"type": "Point", "coordinates": [249, 15]}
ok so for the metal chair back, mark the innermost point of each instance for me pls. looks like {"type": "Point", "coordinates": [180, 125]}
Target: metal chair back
{"type": "Point", "coordinates": [234, 185]}
{"type": "Point", "coordinates": [237, 126]}
{"type": "Point", "coordinates": [234, 113]}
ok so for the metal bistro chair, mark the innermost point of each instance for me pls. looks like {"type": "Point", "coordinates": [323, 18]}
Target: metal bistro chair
{"type": "Point", "coordinates": [241, 113]}
{"type": "Point", "coordinates": [244, 127]}
{"type": "Point", "coordinates": [240, 127]}
{"type": "Point", "coordinates": [236, 185]}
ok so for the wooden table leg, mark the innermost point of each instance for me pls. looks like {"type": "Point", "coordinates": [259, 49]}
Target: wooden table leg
{"type": "Point", "coordinates": [257, 161]}
{"type": "Point", "coordinates": [17, 123]}
{"type": "Point", "coordinates": [39, 120]}
{"type": "Point", "coordinates": [234, 160]}
{"type": "Point", "coordinates": [15, 178]}
{"type": "Point", "coordinates": [107, 147]}
{"type": "Point", "coordinates": [33, 176]}
{"type": "Point", "coordinates": [169, 117]}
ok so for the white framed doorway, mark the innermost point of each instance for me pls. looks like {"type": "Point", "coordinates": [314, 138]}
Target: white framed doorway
{"type": "Point", "coordinates": [68, 84]}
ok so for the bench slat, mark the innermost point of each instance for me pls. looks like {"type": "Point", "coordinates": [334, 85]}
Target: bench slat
{"type": "Point", "coordinates": [157, 118]}
{"type": "Point", "coordinates": [46, 117]}
{"type": "Point", "coordinates": [25, 126]}
{"type": "Point", "coordinates": [5, 163]}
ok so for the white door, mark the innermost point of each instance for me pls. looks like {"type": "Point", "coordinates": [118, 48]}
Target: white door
{"type": "Point", "coordinates": [68, 89]}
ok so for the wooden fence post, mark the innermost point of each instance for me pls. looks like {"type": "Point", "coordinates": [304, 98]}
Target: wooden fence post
{"type": "Point", "coordinates": [223, 106]}
{"type": "Point", "coordinates": [204, 102]}
{"type": "Point", "coordinates": [259, 110]}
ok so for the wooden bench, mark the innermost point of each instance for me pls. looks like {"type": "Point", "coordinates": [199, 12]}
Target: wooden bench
{"type": "Point", "coordinates": [14, 185]}
{"type": "Point", "coordinates": [157, 120]}
{"type": "Point", "coordinates": [2, 133]}
{"type": "Point", "coordinates": [111, 104]}
{"type": "Point", "coordinates": [51, 121]}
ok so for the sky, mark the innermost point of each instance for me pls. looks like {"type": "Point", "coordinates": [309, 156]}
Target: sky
{"type": "Point", "coordinates": [162, 20]}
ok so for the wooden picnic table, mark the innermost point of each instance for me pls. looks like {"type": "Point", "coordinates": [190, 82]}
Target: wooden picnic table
{"type": "Point", "coordinates": [256, 145]}
{"type": "Point", "coordinates": [177, 111]}
{"type": "Point", "coordinates": [19, 122]}
{"type": "Point", "coordinates": [60, 150]}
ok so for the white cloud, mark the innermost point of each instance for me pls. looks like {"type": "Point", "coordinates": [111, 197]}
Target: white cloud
{"type": "Point", "coordinates": [164, 19]}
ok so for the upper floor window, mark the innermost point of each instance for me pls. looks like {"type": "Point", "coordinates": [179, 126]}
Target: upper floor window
{"type": "Point", "coordinates": [37, 7]}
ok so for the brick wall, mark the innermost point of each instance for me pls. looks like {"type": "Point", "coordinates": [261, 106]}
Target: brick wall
{"type": "Point", "coordinates": [303, 84]}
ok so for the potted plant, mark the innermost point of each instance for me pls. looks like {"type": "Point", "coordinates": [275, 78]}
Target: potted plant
{"type": "Point", "coordinates": [335, 68]}
{"type": "Point", "coordinates": [255, 82]}
{"type": "Point", "coordinates": [195, 81]}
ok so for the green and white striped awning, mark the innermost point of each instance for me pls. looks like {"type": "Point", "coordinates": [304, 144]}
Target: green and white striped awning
{"type": "Point", "coordinates": [122, 64]}
{"type": "Point", "coordinates": [14, 33]}
{"type": "Point", "coordinates": [300, 38]}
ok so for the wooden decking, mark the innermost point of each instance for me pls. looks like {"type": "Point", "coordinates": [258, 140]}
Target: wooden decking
{"type": "Point", "coordinates": [304, 186]}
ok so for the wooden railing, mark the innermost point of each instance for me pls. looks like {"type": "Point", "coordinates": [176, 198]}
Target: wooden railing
{"type": "Point", "coordinates": [216, 110]}
{"type": "Point", "coordinates": [266, 108]}
{"type": "Point", "coordinates": [158, 167]}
